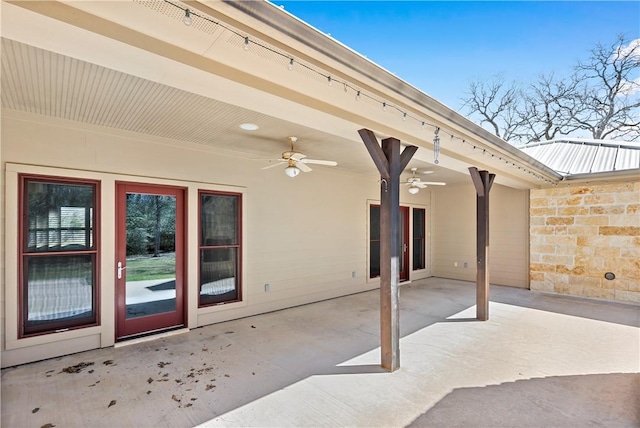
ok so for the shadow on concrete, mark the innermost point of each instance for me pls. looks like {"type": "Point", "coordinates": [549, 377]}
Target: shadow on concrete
{"type": "Point", "coordinates": [610, 400]}
{"type": "Point", "coordinates": [618, 313]}
{"type": "Point", "coordinates": [199, 376]}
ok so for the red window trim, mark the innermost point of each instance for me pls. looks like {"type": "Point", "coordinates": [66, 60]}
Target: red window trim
{"type": "Point", "coordinates": [23, 254]}
{"type": "Point", "coordinates": [238, 246]}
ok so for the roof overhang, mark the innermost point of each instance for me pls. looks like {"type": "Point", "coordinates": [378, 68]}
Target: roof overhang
{"type": "Point", "coordinates": [149, 41]}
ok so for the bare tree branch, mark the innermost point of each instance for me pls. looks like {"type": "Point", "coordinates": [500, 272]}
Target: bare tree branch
{"type": "Point", "coordinates": [601, 97]}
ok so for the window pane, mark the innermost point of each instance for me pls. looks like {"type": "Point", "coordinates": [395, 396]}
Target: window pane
{"type": "Point", "coordinates": [418, 223]}
{"type": "Point", "coordinates": [59, 216]}
{"type": "Point", "coordinates": [218, 275]}
{"type": "Point", "coordinates": [374, 259]}
{"type": "Point", "coordinates": [59, 288]}
{"type": "Point", "coordinates": [419, 217]}
{"type": "Point", "coordinates": [219, 220]}
{"type": "Point", "coordinates": [374, 222]}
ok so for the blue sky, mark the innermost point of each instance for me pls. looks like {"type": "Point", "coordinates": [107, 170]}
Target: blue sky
{"type": "Point", "coordinates": [440, 46]}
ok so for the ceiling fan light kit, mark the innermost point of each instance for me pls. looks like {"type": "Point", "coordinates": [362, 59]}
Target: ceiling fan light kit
{"type": "Point", "coordinates": [292, 171]}
{"type": "Point", "coordinates": [297, 161]}
{"type": "Point", "coordinates": [415, 184]}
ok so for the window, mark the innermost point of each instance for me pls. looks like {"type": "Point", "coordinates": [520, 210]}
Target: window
{"type": "Point", "coordinates": [220, 249]}
{"type": "Point", "coordinates": [374, 241]}
{"type": "Point", "coordinates": [419, 220]}
{"type": "Point", "coordinates": [58, 254]}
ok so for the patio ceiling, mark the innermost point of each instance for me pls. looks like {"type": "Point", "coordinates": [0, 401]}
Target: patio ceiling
{"type": "Point", "coordinates": [132, 67]}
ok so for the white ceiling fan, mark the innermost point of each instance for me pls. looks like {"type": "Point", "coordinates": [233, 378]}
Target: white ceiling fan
{"type": "Point", "coordinates": [296, 161]}
{"type": "Point", "coordinates": [415, 184]}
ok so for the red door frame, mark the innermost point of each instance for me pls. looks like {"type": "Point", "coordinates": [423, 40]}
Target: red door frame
{"type": "Point", "coordinates": [404, 267]}
{"type": "Point", "coordinates": [147, 324]}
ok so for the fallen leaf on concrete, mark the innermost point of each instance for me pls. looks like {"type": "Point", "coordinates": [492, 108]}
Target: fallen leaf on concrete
{"type": "Point", "coordinates": [161, 364]}
{"type": "Point", "coordinates": [148, 392]}
{"type": "Point", "coordinates": [108, 362]}
{"type": "Point", "coordinates": [77, 368]}
{"type": "Point", "coordinates": [149, 380]}
{"type": "Point", "coordinates": [253, 326]}
{"type": "Point", "coordinates": [209, 387]}
{"type": "Point", "coordinates": [49, 425]}
{"type": "Point", "coordinates": [174, 398]}
{"type": "Point", "coordinates": [111, 403]}
{"type": "Point", "coordinates": [35, 410]}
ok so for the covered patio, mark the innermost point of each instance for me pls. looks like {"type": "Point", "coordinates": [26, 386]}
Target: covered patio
{"type": "Point", "coordinates": [540, 360]}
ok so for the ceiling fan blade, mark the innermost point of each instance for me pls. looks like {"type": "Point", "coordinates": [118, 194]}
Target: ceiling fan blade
{"type": "Point", "coordinates": [297, 156]}
{"type": "Point", "coordinates": [303, 167]}
{"type": "Point", "coordinates": [420, 185]}
{"type": "Point", "coordinates": [434, 183]}
{"type": "Point", "coordinates": [320, 162]}
{"type": "Point", "coordinates": [274, 163]}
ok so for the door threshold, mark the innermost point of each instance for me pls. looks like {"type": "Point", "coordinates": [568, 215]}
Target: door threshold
{"type": "Point", "coordinates": [150, 337]}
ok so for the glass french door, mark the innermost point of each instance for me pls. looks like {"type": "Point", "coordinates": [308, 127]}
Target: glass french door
{"type": "Point", "coordinates": [374, 242]}
{"type": "Point", "coordinates": [149, 267]}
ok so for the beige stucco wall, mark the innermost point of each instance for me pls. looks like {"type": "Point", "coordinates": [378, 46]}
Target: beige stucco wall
{"type": "Point", "coordinates": [305, 237]}
{"type": "Point", "coordinates": [580, 232]}
{"type": "Point", "coordinates": [454, 234]}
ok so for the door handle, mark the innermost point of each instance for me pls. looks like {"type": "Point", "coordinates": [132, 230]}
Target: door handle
{"type": "Point", "coordinates": [404, 248]}
{"type": "Point", "coordinates": [120, 269]}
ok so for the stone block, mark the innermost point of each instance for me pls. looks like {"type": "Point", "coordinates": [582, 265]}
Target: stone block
{"type": "Point", "coordinates": [569, 201]}
{"type": "Point", "coordinates": [541, 286]}
{"type": "Point", "coordinates": [564, 269]}
{"type": "Point", "coordinates": [633, 285]}
{"type": "Point", "coordinates": [560, 220]}
{"type": "Point", "coordinates": [627, 198]}
{"type": "Point", "coordinates": [630, 252]}
{"type": "Point", "coordinates": [624, 220]}
{"type": "Point", "coordinates": [607, 209]}
{"type": "Point", "coordinates": [537, 193]}
{"type": "Point", "coordinates": [536, 276]}
{"type": "Point", "coordinates": [574, 210]}
{"type": "Point", "coordinates": [581, 190]}
{"type": "Point", "coordinates": [557, 191]}
{"type": "Point", "coordinates": [560, 230]}
{"type": "Point", "coordinates": [542, 267]}
{"type": "Point", "coordinates": [633, 209]}
{"type": "Point", "coordinates": [544, 230]}
{"type": "Point", "coordinates": [624, 241]}
{"type": "Point", "coordinates": [592, 241]}
{"type": "Point", "coordinates": [543, 249]}
{"type": "Point", "coordinates": [599, 199]}
{"type": "Point", "coordinates": [585, 281]}
{"type": "Point", "coordinates": [620, 187]}
{"type": "Point", "coordinates": [627, 296]}
{"type": "Point", "coordinates": [546, 211]}
{"type": "Point", "coordinates": [538, 202]}
{"type": "Point", "coordinates": [536, 221]}
{"type": "Point", "coordinates": [573, 290]}
{"type": "Point", "coordinates": [583, 229]}
{"type": "Point", "coordinates": [584, 251]}
{"type": "Point", "coordinates": [599, 220]}
{"type": "Point", "coordinates": [560, 240]}
{"type": "Point", "coordinates": [619, 230]}
{"type": "Point", "coordinates": [608, 253]}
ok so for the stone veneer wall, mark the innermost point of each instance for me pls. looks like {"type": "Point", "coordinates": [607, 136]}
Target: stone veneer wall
{"type": "Point", "coordinates": [580, 232]}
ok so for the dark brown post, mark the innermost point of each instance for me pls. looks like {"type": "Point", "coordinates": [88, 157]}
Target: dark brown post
{"type": "Point", "coordinates": [390, 163]}
{"type": "Point", "coordinates": [482, 181]}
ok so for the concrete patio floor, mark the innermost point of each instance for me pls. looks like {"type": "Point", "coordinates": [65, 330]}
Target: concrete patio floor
{"type": "Point", "coordinates": [541, 360]}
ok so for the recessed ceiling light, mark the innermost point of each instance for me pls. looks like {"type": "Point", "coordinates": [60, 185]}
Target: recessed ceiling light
{"type": "Point", "coordinates": [249, 126]}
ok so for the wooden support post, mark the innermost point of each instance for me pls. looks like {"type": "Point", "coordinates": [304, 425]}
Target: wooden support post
{"type": "Point", "coordinates": [390, 163]}
{"type": "Point", "coordinates": [482, 181]}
